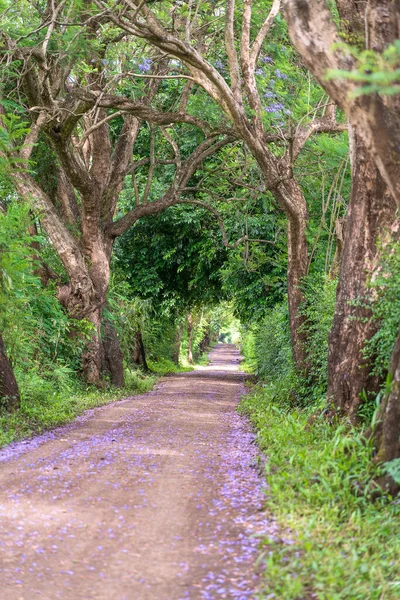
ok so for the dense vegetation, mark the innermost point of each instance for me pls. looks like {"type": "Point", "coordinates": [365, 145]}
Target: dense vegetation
{"type": "Point", "coordinates": [172, 172]}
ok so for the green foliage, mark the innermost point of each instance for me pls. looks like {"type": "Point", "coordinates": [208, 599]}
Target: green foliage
{"type": "Point", "coordinates": [268, 351]}
{"type": "Point", "coordinates": [318, 310]}
{"type": "Point", "coordinates": [392, 468]}
{"type": "Point", "coordinates": [273, 353]}
{"type": "Point", "coordinates": [376, 72]}
{"type": "Point", "coordinates": [173, 259]}
{"type": "Point", "coordinates": [335, 543]}
{"type": "Point", "coordinates": [36, 330]}
{"type": "Point", "coordinates": [13, 129]}
{"type": "Point", "coordinates": [385, 306]}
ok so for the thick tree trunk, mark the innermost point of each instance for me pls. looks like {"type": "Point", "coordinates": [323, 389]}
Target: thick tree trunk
{"type": "Point", "coordinates": [139, 352]}
{"type": "Point", "coordinates": [387, 435]}
{"type": "Point", "coordinates": [113, 357]}
{"type": "Point", "coordinates": [93, 357]}
{"type": "Point", "coordinates": [189, 326]}
{"type": "Point", "coordinates": [387, 429]}
{"type": "Point", "coordinates": [9, 392]}
{"type": "Point", "coordinates": [371, 212]}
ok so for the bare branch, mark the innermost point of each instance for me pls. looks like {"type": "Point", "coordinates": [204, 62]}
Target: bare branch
{"type": "Point", "coordinates": [142, 110]}
{"type": "Point", "coordinates": [231, 50]}
{"type": "Point", "coordinates": [258, 42]}
{"type": "Point", "coordinates": [32, 137]}
{"type": "Point", "coordinates": [323, 125]}
{"type": "Point", "coordinates": [151, 169]}
{"type": "Point", "coordinates": [97, 125]}
{"type": "Point", "coordinates": [175, 148]}
{"type": "Point", "coordinates": [161, 76]}
{"type": "Point", "coordinates": [207, 148]}
{"type": "Point", "coordinates": [55, 11]}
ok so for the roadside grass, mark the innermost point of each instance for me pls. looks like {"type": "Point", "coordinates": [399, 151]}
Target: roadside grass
{"type": "Point", "coordinates": [342, 545]}
{"type": "Point", "coordinates": [164, 366]}
{"type": "Point", "coordinates": [48, 403]}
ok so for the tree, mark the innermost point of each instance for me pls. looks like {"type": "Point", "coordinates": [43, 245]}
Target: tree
{"type": "Point", "coordinates": [316, 36]}
{"type": "Point", "coordinates": [9, 392]}
{"type": "Point", "coordinates": [238, 95]}
{"type": "Point", "coordinates": [375, 118]}
{"type": "Point", "coordinates": [65, 83]}
{"type": "Point", "coordinates": [372, 206]}
{"type": "Point", "coordinates": [368, 221]}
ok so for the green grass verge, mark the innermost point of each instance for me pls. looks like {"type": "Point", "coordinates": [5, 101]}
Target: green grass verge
{"type": "Point", "coordinates": [345, 546]}
{"type": "Point", "coordinates": [47, 404]}
{"type": "Point", "coordinates": [167, 367]}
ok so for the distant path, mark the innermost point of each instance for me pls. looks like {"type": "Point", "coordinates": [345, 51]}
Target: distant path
{"type": "Point", "coordinates": [149, 498]}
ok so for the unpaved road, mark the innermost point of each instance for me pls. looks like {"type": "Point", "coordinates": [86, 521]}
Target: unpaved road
{"type": "Point", "coordinates": [150, 498]}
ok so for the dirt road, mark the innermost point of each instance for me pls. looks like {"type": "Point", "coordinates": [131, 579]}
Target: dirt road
{"type": "Point", "coordinates": [150, 498]}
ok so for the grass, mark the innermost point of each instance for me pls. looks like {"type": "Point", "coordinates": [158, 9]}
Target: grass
{"type": "Point", "coordinates": [164, 366]}
{"type": "Point", "coordinates": [46, 404]}
{"type": "Point", "coordinates": [345, 547]}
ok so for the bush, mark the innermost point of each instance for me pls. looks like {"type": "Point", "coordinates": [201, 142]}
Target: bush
{"type": "Point", "coordinates": [318, 310]}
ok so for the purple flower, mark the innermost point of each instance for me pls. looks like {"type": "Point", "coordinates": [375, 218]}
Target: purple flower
{"type": "Point", "coordinates": [280, 75]}
{"type": "Point", "coordinates": [275, 107]}
{"type": "Point", "coordinates": [267, 59]}
{"type": "Point", "coordinates": [269, 94]}
{"type": "Point", "coordinates": [219, 65]}
{"type": "Point", "coordinates": [145, 65]}
{"type": "Point", "coordinates": [259, 72]}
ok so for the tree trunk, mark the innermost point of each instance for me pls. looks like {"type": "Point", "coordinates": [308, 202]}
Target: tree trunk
{"type": "Point", "coordinates": [189, 322]}
{"type": "Point", "coordinates": [371, 212]}
{"type": "Point", "coordinates": [337, 259]}
{"type": "Point", "coordinates": [205, 342]}
{"type": "Point", "coordinates": [177, 345]}
{"type": "Point", "coordinates": [387, 436]}
{"type": "Point", "coordinates": [387, 429]}
{"type": "Point", "coordinates": [9, 392]}
{"type": "Point", "coordinates": [113, 357]}
{"type": "Point", "coordinates": [139, 352]}
{"type": "Point", "coordinates": [93, 357]}
{"type": "Point", "coordinates": [297, 270]}
{"type": "Point", "coordinates": [287, 194]}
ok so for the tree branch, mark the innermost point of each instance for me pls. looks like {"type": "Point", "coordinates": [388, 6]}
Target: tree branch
{"type": "Point", "coordinates": [231, 50]}
{"type": "Point", "coordinates": [262, 34]}
{"type": "Point", "coordinates": [315, 36]}
{"type": "Point", "coordinates": [207, 148]}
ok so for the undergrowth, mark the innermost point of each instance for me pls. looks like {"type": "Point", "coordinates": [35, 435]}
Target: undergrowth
{"type": "Point", "coordinates": [342, 545]}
